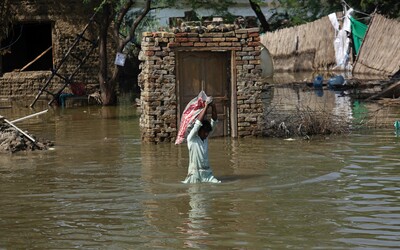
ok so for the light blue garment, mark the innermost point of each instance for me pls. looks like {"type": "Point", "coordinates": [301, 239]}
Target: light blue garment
{"type": "Point", "coordinates": [199, 169]}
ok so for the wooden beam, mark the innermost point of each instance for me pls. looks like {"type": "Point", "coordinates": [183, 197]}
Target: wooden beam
{"type": "Point", "coordinates": [37, 58]}
{"type": "Point", "coordinates": [391, 91]}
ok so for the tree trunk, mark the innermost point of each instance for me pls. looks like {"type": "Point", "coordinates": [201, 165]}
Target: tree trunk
{"type": "Point", "coordinates": [107, 86]}
{"type": "Point", "coordinates": [260, 15]}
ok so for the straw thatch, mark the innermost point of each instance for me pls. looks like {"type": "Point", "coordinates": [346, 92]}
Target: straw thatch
{"type": "Point", "coordinates": [380, 50]}
{"type": "Point", "coordinates": [304, 47]}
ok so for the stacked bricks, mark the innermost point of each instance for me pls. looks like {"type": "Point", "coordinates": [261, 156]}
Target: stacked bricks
{"type": "Point", "coordinates": [158, 121]}
{"type": "Point", "coordinates": [68, 21]}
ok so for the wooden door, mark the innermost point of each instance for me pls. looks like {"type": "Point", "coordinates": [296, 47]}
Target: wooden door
{"type": "Point", "coordinates": [208, 71]}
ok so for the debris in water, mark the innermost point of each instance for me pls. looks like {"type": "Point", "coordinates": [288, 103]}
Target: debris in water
{"type": "Point", "coordinates": [13, 140]}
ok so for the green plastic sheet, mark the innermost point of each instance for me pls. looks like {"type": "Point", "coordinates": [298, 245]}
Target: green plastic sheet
{"type": "Point", "coordinates": [358, 30]}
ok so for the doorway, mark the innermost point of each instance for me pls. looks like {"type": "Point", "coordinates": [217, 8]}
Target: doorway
{"type": "Point", "coordinates": [208, 71]}
{"type": "Point", "coordinates": [29, 48]}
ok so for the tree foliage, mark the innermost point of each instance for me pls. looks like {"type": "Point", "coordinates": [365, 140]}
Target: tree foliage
{"type": "Point", "coordinates": [6, 18]}
{"type": "Point", "coordinates": [111, 17]}
{"type": "Point", "coordinates": [124, 22]}
{"type": "Point", "coordinates": [389, 8]}
{"type": "Point", "coordinates": [295, 12]}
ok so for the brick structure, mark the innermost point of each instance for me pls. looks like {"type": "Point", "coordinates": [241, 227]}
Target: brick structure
{"type": "Point", "coordinates": [158, 79]}
{"type": "Point", "coordinates": [64, 20]}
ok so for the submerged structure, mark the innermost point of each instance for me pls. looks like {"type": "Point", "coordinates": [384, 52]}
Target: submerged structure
{"type": "Point", "coordinates": [48, 42]}
{"type": "Point", "coordinates": [223, 61]}
{"type": "Point", "coordinates": [374, 48]}
{"type": "Point", "coordinates": [380, 49]}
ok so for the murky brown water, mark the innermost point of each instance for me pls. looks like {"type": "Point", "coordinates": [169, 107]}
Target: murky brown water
{"type": "Point", "coordinates": [101, 188]}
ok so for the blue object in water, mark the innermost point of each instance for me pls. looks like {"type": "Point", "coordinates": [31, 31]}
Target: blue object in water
{"type": "Point", "coordinates": [336, 81]}
{"type": "Point", "coordinates": [319, 92]}
{"type": "Point", "coordinates": [62, 98]}
{"type": "Point", "coordinates": [318, 81]}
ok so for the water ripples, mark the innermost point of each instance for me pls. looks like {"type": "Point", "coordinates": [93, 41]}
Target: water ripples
{"type": "Point", "coordinates": [102, 188]}
{"type": "Point", "coordinates": [371, 203]}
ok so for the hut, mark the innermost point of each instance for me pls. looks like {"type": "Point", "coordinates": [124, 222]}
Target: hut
{"type": "Point", "coordinates": [41, 33]}
{"type": "Point", "coordinates": [380, 51]}
{"type": "Point", "coordinates": [176, 66]}
{"type": "Point", "coordinates": [310, 47]}
{"type": "Point", "coordinates": [304, 47]}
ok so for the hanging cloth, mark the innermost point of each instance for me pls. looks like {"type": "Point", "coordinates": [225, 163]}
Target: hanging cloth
{"type": "Point", "coordinates": [341, 42]}
{"type": "Point", "coordinates": [358, 30]}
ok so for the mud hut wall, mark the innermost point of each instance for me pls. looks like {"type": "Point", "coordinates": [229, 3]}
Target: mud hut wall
{"type": "Point", "coordinates": [380, 50]}
{"type": "Point", "coordinates": [68, 19]}
{"type": "Point", "coordinates": [304, 47]}
{"type": "Point", "coordinates": [157, 79]}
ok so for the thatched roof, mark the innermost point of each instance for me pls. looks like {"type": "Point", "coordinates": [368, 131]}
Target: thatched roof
{"type": "Point", "coordinates": [304, 47]}
{"type": "Point", "coordinates": [380, 50]}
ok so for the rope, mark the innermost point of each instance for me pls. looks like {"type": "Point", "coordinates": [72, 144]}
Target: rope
{"type": "Point", "coordinates": [344, 2]}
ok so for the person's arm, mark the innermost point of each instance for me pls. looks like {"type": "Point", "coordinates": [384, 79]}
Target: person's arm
{"type": "Point", "coordinates": [214, 111]}
{"type": "Point", "coordinates": [209, 102]}
{"type": "Point", "coordinates": [195, 129]}
{"type": "Point", "coordinates": [214, 117]}
{"type": "Point", "coordinates": [200, 117]}
{"type": "Point", "coordinates": [203, 113]}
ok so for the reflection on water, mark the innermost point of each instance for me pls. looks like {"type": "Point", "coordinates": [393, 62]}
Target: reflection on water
{"type": "Point", "coordinates": [102, 188]}
{"type": "Point", "coordinates": [281, 101]}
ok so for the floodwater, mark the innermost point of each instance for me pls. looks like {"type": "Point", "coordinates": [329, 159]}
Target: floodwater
{"type": "Point", "coordinates": [101, 188]}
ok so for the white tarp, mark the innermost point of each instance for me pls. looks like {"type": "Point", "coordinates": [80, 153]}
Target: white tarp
{"type": "Point", "coordinates": [342, 41]}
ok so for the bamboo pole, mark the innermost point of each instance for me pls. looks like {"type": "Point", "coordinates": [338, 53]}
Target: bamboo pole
{"type": "Point", "coordinates": [29, 116]}
{"type": "Point", "coordinates": [34, 60]}
{"type": "Point", "coordinates": [19, 130]}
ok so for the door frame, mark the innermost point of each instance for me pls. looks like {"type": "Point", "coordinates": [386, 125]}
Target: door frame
{"type": "Point", "coordinates": [232, 110]}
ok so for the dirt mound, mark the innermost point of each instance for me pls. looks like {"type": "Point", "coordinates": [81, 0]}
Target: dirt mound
{"type": "Point", "coordinates": [12, 141]}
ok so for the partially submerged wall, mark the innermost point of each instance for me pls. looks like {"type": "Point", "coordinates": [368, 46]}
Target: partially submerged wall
{"type": "Point", "coordinates": [68, 19]}
{"type": "Point", "coordinates": [380, 50]}
{"type": "Point", "coordinates": [157, 80]}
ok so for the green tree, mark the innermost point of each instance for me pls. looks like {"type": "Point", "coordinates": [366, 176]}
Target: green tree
{"type": "Point", "coordinates": [255, 6]}
{"type": "Point", "coordinates": [112, 14]}
{"type": "Point", "coordinates": [117, 16]}
{"type": "Point", "coordinates": [5, 19]}
{"type": "Point", "coordinates": [389, 8]}
{"type": "Point", "coordinates": [295, 12]}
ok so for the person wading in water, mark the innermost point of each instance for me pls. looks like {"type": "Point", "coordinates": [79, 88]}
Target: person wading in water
{"type": "Point", "coordinates": [199, 169]}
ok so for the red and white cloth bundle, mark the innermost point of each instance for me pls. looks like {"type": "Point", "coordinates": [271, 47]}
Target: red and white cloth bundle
{"type": "Point", "coordinates": [189, 115]}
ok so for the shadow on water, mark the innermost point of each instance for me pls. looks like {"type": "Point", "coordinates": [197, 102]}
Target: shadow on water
{"type": "Point", "coordinates": [232, 178]}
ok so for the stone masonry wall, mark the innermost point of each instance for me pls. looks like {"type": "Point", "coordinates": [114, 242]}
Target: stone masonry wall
{"type": "Point", "coordinates": [157, 80]}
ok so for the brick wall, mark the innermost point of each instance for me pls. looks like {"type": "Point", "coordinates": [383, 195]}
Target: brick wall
{"type": "Point", "coordinates": [157, 80]}
{"type": "Point", "coordinates": [69, 19]}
